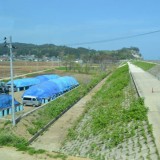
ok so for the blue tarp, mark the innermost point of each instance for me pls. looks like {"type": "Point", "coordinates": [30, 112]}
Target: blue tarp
{"type": "Point", "coordinates": [58, 84]}
{"type": "Point", "coordinates": [6, 101]}
{"type": "Point", "coordinates": [72, 80]}
{"type": "Point", "coordinates": [25, 82]}
{"type": "Point", "coordinates": [43, 90]}
{"type": "Point", "coordinates": [65, 82]}
{"type": "Point", "coordinates": [43, 78]}
{"type": "Point", "coordinates": [51, 87]}
{"type": "Point", "coordinates": [32, 81]}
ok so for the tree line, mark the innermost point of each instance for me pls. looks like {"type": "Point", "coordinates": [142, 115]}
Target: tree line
{"type": "Point", "coordinates": [64, 52]}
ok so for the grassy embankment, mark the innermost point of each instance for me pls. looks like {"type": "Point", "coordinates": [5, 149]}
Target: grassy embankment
{"type": "Point", "coordinates": [114, 117]}
{"type": "Point", "coordinates": [144, 65]}
{"type": "Point", "coordinates": [54, 108]}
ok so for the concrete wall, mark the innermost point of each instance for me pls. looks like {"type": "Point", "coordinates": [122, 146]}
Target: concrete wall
{"type": "Point", "coordinates": [8, 111]}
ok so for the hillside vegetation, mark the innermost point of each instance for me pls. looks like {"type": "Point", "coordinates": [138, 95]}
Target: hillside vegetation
{"type": "Point", "coordinates": [114, 125]}
{"type": "Point", "coordinates": [65, 53]}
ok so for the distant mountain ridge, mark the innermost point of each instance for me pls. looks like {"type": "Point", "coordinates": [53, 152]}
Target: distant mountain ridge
{"type": "Point", "coordinates": [51, 50]}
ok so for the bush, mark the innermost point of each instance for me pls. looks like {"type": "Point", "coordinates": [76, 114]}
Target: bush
{"type": "Point", "coordinates": [9, 139]}
{"type": "Point", "coordinates": [136, 111]}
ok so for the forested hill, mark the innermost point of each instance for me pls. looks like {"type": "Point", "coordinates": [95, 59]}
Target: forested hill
{"type": "Point", "coordinates": [51, 50]}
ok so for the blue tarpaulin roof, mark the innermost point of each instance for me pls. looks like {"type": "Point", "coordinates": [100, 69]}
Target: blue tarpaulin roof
{"type": "Point", "coordinates": [44, 90]}
{"type": "Point", "coordinates": [51, 87]}
{"type": "Point", "coordinates": [43, 78]}
{"type": "Point", "coordinates": [25, 82]}
{"type": "Point", "coordinates": [58, 84]}
{"type": "Point", "coordinates": [32, 81]}
{"type": "Point", "coordinates": [72, 80]}
{"type": "Point", "coordinates": [6, 101]}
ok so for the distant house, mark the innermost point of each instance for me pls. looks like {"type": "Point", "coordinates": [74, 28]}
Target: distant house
{"type": "Point", "coordinates": [79, 61]}
{"type": "Point", "coordinates": [4, 58]}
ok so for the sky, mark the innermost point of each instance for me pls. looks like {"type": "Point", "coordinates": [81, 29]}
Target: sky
{"type": "Point", "coordinates": [68, 22]}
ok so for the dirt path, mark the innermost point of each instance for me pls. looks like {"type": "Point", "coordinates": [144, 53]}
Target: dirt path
{"type": "Point", "coordinates": [149, 88]}
{"type": "Point", "coordinates": [51, 140]}
{"type": "Point", "coordinates": [8, 153]}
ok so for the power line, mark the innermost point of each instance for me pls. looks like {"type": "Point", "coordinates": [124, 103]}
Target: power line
{"type": "Point", "coordinates": [115, 39]}
{"type": "Point", "coordinates": [106, 40]}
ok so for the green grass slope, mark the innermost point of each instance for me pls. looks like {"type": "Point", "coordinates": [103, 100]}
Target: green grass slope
{"type": "Point", "coordinates": [114, 125]}
{"type": "Point", "coordinates": [144, 65]}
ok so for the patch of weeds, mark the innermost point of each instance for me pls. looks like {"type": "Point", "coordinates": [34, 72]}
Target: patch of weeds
{"type": "Point", "coordinates": [72, 134]}
{"type": "Point", "coordinates": [93, 146]}
{"type": "Point", "coordinates": [148, 157]}
{"type": "Point", "coordinates": [9, 139]}
{"type": "Point", "coordinates": [150, 129]}
{"type": "Point", "coordinates": [32, 151]}
{"type": "Point", "coordinates": [7, 123]}
{"type": "Point", "coordinates": [58, 155]}
{"type": "Point", "coordinates": [32, 130]}
{"type": "Point", "coordinates": [23, 146]}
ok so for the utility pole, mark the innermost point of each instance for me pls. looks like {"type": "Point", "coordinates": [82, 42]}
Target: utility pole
{"type": "Point", "coordinates": [9, 45]}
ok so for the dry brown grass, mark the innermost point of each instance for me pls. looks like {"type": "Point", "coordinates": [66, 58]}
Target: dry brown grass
{"type": "Point", "coordinates": [23, 67]}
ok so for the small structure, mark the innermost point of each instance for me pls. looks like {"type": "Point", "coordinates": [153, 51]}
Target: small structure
{"type": "Point", "coordinates": [6, 105]}
{"type": "Point", "coordinates": [48, 90]}
{"type": "Point", "coordinates": [25, 83]}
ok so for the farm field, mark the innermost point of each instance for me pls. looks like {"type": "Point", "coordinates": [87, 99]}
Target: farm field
{"type": "Point", "coordinates": [24, 67]}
